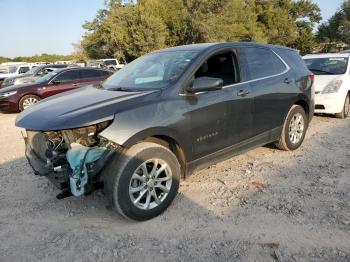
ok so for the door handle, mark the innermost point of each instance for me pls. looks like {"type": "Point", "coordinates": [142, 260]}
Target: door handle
{"type": "Point", "coordinates": [242, 93]}
{"type": "Point", "coordinates": [76, 85]}
{"type": "Point", "coordinates": [288, 81]}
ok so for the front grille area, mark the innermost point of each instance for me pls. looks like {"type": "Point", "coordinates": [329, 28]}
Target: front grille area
{"type": "Point", "coordinates": [38, 141]}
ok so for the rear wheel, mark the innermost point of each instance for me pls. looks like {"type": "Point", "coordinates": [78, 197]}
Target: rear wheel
{"type": "Point", "coordinates": [346, 109]}
{"type": "Point", "coordinates": [28, 101]}
{"type": "Point", "coordinates": [142, 181]}
{"type": "Point", "coordinates": [294, 129]}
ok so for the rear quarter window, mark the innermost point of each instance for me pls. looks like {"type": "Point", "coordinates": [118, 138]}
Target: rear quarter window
{"type": "Point", "coordinates": [293, 59]}
{"type": "Point", "coordinates": [258, 62]}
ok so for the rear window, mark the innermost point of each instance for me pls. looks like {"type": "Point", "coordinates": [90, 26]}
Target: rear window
{"type": "Point", "coordinates": [327, 65]}
{"type": "Point", "coordinates": [260, 62]}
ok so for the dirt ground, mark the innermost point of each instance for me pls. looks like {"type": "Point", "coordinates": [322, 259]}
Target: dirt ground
{"type": "Point", "coordinates": [265, 205]}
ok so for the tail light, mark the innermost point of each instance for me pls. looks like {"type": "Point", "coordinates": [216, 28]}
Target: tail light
{"type": "Point", "coordinates": [312, 77]}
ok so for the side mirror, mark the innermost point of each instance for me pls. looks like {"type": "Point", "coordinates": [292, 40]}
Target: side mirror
{"type": "Point", "coordinates": [203, 84]}
{"type": "Point", "coordinates": [56, 82]}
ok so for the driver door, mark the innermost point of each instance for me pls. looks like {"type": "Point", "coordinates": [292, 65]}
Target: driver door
{"type": "Point", "coordinates": [222, 118]}
{"type": "Point", "coordinates": [63, 82]}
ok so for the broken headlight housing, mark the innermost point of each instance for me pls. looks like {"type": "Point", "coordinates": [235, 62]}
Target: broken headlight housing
{"type": "Point", "coordinates": [86, 136]}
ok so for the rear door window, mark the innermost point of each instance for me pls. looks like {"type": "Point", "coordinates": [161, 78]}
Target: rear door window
{"type": "Point", "coordinates": [90, 73]}
{"type": "Point", "coordinates": [68, 76]}
{"type": "Point", "coordinates": [260, 62]}
{"type": "Point", "coordinates": [93, 73]}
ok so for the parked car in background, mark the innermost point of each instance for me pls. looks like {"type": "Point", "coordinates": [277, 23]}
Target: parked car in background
{"type": "Point", "coordinates": [14, 70]}
{"type": "Point", "coordinates": [112, 64]}
{"type": "Point", "coordinates": [165, 115]}
{"type": "Point", "coordinates": [33, 74]}
{"type": "Point", "coordinates": [20, 97]}
{"type": "Point", "coordinates": [332, 83]}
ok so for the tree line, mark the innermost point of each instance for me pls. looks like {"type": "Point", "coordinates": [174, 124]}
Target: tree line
{"type": "Point", "coordinates": [38, 58]}
{"type": "Point", "coordinates": [129, 29]}
{"type": "Point", "coordinates": [336, 31]}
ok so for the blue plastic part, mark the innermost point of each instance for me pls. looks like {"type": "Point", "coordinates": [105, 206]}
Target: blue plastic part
{"type": "Point", "coordinates": [78, 157]}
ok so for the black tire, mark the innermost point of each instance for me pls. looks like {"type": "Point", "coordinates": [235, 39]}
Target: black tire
{"type": "Point", "coordinates": [21, 104]}
{"type": "Point", "coordinates": [120, 170]}
{"type": "Point", "coordinates": [285, 142]}
{"type": "Point", "coordinates": [346, 108]}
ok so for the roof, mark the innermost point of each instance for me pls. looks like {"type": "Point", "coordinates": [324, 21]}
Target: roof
{"type": "Point", "coordinates": [204, 46]}
{"type": "Point", "coordinates": [326, 55]}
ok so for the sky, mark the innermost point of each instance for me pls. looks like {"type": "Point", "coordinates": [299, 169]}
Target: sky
{"type": "Point", "coordinates": [29, 27]}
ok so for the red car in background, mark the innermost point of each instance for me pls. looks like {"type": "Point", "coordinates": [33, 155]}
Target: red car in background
{"type": "Point", "coordinates": [19, 97]}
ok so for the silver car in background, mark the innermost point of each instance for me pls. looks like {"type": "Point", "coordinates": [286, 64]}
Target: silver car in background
{"type": "Point", "coordinates": [32, 75]}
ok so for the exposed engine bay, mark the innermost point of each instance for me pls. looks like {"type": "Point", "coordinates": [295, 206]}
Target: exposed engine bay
{"type": "Point", "coordinates": [72, 159]}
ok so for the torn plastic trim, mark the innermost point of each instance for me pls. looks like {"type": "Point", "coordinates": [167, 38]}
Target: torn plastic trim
{"type": "Point", "coordinates": [80, 159]}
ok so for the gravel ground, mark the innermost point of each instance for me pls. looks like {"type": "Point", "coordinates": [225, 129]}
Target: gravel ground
{"type": "Point", "coordinates": [265, 205]}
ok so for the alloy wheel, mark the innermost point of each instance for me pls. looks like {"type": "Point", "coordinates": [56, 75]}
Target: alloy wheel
{"type": "Point", "coordinates": [29, 102]}
{"type": "Point", "coordinates": [150, 184]}
{"type": "Point", "coordinates": [296, 128]}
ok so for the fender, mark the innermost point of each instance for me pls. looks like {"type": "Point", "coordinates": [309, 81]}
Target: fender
{"type": "Point", "coordinates": [126, 131]}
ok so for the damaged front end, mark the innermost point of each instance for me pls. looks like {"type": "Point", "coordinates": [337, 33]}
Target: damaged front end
{"type": "Point", "coordinates": [71, 159]}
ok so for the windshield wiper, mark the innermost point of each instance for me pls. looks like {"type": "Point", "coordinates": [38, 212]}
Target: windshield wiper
{"type": "Point", "coordinates": [117, 89]}
{"type": "Point", "coordinates": [321, 71]}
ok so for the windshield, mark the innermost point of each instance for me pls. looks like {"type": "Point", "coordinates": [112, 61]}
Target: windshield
{"type": "Point", "coordinates": [46, 78]}
{"type": "Point", "coordinates": [151, 71]}
{"type": "Point", "coordinates": [34, 70]}
{"type": "Point", "coordinates": [327, 66]}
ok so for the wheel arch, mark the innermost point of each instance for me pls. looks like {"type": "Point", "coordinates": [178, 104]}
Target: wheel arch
{"type": "Point", "coordinates": [304, 105]}
{"type": "Point", "coordinates": [159, 135]}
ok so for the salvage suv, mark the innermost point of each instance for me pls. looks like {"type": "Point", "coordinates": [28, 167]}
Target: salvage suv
{"type": "Point", "coordinates": [165, 115]}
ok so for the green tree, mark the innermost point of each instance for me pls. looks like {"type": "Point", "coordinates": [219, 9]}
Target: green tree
{"type": "Point", "coordinates": [337, 28]}
{"type": "Point", "coordinates": [131, 28]}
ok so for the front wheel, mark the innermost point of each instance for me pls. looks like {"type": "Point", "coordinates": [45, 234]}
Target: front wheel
{"type": "Point", "coordinates": [142, 181]}
{"type": "Point", "coordinates": [294, 129]}
{"type": "Point", "coordinates": [28, 101]}
{"type": "Point", "coordinates": [346, 109]}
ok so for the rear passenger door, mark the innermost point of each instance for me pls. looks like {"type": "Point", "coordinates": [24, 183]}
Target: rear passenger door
{"type": "Point", "coordinates": [269, 81]}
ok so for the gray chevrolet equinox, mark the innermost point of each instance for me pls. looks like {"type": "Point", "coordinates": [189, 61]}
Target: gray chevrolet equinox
{"type": "Point", "coordinates": [165, 115]}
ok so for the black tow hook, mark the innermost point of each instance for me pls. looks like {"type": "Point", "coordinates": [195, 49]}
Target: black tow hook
{"type": "Point", "coordinates": [64, 194]}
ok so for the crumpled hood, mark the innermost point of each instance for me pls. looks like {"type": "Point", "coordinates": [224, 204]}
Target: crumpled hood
{"type": "Point", "coordinates": [321, 81]}
{"type": "Point", "coordinates": [78, 108]}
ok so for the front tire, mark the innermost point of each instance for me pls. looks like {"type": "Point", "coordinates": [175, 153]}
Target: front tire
{"type": "Point", "coordinates": [142, 182]}
{"type": "Point", "coordinates": [346, 109]}
{"type": "Point", "coordinates": [27, 101]}
{"type": "Point", "coordinates": [294, 129]}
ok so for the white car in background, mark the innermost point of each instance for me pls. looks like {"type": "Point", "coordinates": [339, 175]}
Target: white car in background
{"type": "Point", "coordinates": [14, 70]}
{"type": "Point", "coordinates": [332, 83]}
{"type": "Point", "coordinates": [111, 63]}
